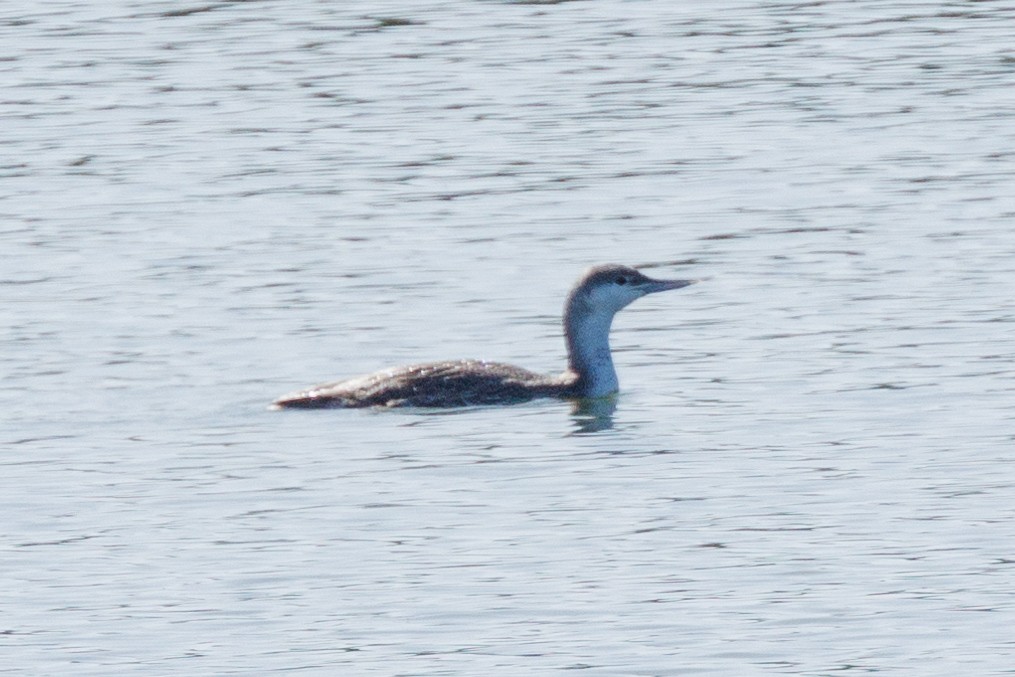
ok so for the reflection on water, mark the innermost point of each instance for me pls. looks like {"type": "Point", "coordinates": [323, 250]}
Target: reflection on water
{"type": "Point", "coordinates": [809, 467]}
{"type": "Point", "coordinates": [593, 415]}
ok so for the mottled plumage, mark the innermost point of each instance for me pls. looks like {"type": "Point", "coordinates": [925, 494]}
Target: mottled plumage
{"type": "Point", "coordinates": [588, 313]}
{"type": "Point", "coordinates": [457, 383]}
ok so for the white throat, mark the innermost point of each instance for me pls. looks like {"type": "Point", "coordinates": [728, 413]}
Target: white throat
{"type": "Point", "coordinates": [588, 341]}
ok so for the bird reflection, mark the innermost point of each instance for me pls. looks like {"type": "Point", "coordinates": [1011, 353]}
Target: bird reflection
{"type": "Point", "coordinates": [593, 415]}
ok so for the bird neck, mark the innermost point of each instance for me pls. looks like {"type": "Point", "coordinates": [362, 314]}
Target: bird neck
{"type": "Point", "coordinates": [588, 349]}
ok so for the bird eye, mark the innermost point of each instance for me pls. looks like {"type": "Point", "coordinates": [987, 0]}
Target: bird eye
{"type": "Point", "coordinates": [621, 280]}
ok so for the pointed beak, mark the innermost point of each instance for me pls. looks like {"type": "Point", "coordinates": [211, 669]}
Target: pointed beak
{"type": "Point", "coordinates": [652, 286]}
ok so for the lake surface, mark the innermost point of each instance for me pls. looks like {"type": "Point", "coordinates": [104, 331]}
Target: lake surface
{"type": "Point", "coordinates": [809, 470]}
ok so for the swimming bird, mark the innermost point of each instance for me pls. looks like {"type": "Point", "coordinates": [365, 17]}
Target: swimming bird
{"type": "Point", "coordinates": [588, 313]}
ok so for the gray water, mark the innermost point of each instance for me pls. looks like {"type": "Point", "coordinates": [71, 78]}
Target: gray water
{"type": "Point", "coordinates": [808, 472]}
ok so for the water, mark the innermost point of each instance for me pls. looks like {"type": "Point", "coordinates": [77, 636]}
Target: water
{"type": "Point", "coordinates": [808, 471]}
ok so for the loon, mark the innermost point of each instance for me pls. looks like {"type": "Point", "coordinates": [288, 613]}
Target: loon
{"type": "Point", "coordinates": [591, 304]}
